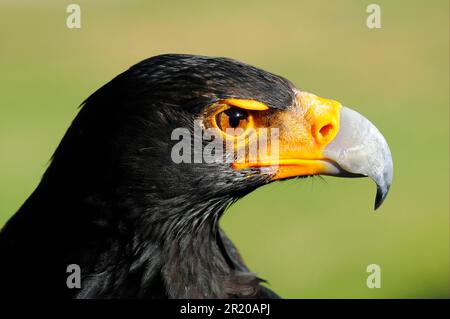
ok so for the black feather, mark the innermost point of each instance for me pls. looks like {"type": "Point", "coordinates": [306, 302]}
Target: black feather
{"type": "Point", "coordinates": [113, 202]}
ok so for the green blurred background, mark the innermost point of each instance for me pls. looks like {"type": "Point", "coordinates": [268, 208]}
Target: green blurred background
{"type": "Point", "coordinates": [310, 238]}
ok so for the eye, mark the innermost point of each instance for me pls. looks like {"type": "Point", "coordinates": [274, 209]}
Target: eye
{"type": "Point", "coordinates": [232, 118]}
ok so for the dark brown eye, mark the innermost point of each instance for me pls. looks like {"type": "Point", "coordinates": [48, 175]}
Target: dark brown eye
{"type": "Point", "coordinates": [233, 118]}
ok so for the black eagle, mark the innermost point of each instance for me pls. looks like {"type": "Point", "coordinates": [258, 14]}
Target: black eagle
{"type": "Point", "coordinates": [140, 224]}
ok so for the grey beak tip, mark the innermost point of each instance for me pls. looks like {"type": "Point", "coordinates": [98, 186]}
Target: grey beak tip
{"type": "Point", "coordinates": [381, 195]}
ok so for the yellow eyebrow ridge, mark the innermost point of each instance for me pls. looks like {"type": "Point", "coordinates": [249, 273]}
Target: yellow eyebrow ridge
{"type": "Point", "coordinates": [247, 104]}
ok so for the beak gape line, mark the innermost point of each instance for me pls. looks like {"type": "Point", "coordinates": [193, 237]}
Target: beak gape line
{"type": "Point", "coordinates": [207, 145]}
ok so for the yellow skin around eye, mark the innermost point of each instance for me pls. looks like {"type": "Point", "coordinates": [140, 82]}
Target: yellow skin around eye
{"type": "Point", "coordinates": [305, 129]}
{"type": "Point", "coordinates": [246, 104]}
{"type": "Point", "coordinates": [224, 127]}
{"type": "Point", "coordinates": [223, 122]}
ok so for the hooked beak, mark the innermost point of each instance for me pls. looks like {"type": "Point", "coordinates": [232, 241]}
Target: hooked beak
{"type": "Point", "coordinates": [320, 136]}
{"type": "Point", "coordinates": [360, 149]}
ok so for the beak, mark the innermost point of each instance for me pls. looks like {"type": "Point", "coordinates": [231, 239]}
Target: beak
{"type": "Point", "coordinates": [360, 149]}
{"type": "Point", "coordinates": [319, 136]}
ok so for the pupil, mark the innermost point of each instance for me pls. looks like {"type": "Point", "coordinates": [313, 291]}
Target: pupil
{"type": "Point", "coordinates": [235, 116]}
{"type": "Point", "coordinates": [234, 121]}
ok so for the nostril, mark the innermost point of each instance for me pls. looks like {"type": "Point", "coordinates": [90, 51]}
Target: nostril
{"type": "Point", "coordinates": [325, 130]}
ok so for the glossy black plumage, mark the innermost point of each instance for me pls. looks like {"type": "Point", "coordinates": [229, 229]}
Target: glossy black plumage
{"type": "Point", "coordinates": [112, 201]}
